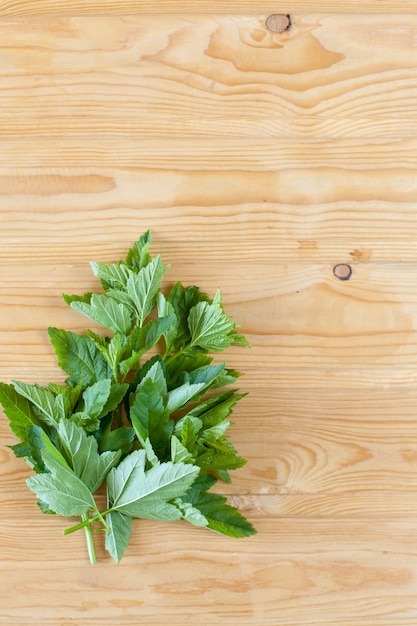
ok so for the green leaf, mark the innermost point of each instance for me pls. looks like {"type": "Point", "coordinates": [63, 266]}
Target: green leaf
{"type": "Point", "coordinates": [63, 492]}
{"type": "Point", "coordinates": [107, 312]}
{"type": "Point", "coordinates": [210, 327]}
{"type": "Point", "coordinates": [78, 357]}
{"type": "Point", "coordinates": [150, 418]}
{"type": "Point", "coordinates": [166, 309]}
{"type": "Point", "coordinates": [112, 350]}
{"type": "Point", "coordinates": [207, 374]}
{"type": "Point", "coordinates": [116, 395]}
{"type": "Point", "coordinates": [138, 257]}
{"type": "Point", "coordinates": [146, 494]}
{"type": "Point", "coordinates": [188, 427]}
{"type": "Point", "coordinates": [179, 365]}
{"type": "Point", "coordinates": [220, 516]}
{"type": "Point", "coordinates": [217, 460]}
{"type": "Point", "coordinates": [121, 296]}
{"type": "Point", "coordinates": [81, 453]}
{"type": "Point", "coordinates": [153, 370]}
{"type": "Point", "coordinates": [179, 453]}
{"type": "Point", "coordinates": [118, 534]}
{"type": "Point", "coordinates": [183, 299]}
{"type": "Point", "coordinates": [31, 449]}
{"type": "Point", "coordinates": [95, 397]}
{"type": "Point", "coordinates": [119, 439]}
{"type": "Point", "coordinates": [18, 410]}
{"type": "Point", "coordinates": [190, 513]}
{"type": "Point", "coordinates": [216, 408]}
{"type": "Point", "coordinates": [179, 397]}
{"type": "Point", "coordinates": [143, 287]}
{"type": "Point", "coordinates": [69, 396]}
{"type": "Point", "coordinates": [111, 275]}
{"type": "Point", "coordinates": [47, 407]}
{"type": "Point", "coordinates": [74, 298]}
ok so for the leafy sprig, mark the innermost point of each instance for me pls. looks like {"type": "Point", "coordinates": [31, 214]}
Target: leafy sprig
{"type": "Point", "coordinates": [140, 410]}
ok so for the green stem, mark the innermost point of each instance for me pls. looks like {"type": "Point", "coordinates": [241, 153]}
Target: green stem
{"type": "Point", "coordinates": [89, 537]}
{"type": "Point", "coordinates": [87, 521]}
{"type": "Point", "coordinates": [177, 354]}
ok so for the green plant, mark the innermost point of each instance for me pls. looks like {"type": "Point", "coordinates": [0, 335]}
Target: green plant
{"type": "Point", "coordinates": [142, 410]}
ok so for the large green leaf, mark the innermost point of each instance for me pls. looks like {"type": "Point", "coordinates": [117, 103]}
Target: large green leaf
{"type": "Point", "coordinates": [210, 327]}
{"type": "Point", "coordinates": [49, 408]}
{"type": "Point", "coordinates": [146, 494]}
{"type": "Point", "coordinates": [19, 411]}
{"type": "Point", "coordinates": [107, 312]}
{"type": "Point", "coordinates": [79, 357]}
{"type": "Point", "coordinates": [62, 491]}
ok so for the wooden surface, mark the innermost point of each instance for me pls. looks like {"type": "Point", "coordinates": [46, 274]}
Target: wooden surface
{"type": "Point", "coordinates": [260, 161]}
{"type": "Point", "coordinates": [162, 7]}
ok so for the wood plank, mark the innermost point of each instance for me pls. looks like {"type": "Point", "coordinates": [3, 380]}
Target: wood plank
{"type": "Point", "coordinates": [260, 161]}
{"type": "Point", "coordinates": [323, 442]}
{"type": "Point", "coordinates": [309, 317]}
{"type": "Point", "coordinates": [208, 75]}
{"type": "Point", "coordinates": [344, 571]}
{"type": "Point", "coordinates": [111, 7]}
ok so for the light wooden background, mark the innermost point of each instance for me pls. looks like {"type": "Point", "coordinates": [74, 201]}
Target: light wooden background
{"type": "Point", "coordinates": [259, 161]}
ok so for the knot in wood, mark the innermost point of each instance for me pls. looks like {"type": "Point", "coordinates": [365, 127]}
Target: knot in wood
{"type": "Point", "coordinates": [342, 271]}
{"type": "Point", "coordinates": [278, 23]}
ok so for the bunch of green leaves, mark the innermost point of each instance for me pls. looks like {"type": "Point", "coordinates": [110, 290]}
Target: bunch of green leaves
{"type": "Point", "coordinates": [142, 410]}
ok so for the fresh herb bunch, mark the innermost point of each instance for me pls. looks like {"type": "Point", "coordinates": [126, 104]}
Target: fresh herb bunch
{"type": "Point", "coordinates": [142, 423]}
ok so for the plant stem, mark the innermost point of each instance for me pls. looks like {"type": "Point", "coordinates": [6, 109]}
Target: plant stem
{"type": "Point", "coordinates": [86, 520]}
{"type": "Point", "coordinates": [89, 537]}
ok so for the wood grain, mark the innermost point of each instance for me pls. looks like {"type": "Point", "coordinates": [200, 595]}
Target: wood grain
{"type": "Point", "coordinates": [206, 76]}
{"type": "Point", "coordinates": [260, 161]}
{"type": "Point", "coordinates": [163, 7]}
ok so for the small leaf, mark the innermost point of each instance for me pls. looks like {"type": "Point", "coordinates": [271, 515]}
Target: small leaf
{"type": "Point", "coordinates": [214, 459]}
{"type": "Point", "coordinates": [116, 395]}
{"type": "Point", "coordinates": [190, 513]}
{"type": "Point", "coordinates": [183, 299]}
{"type": "Point", "coordinates": [153, 370]}
{"type": "Point", "coordinates": [138, 257]}
{"type": "Point", "coordinates": [150, 418]}
{"type": "Point", "coordinates": [118, 534]}
{"type": "Point", "coordinates": [95, 397]}
{"type": "Point", "coordinates": [74, 298]}
{"type": "Point", "coordinates": [220, 516]}
{"type": "Point", "coordinates": [179, 397]}
{"type": "Point", "coordinates": [143, 287]}
{"type": "Point", "coordinates": [179, 453]}
{"type": "Point", "coordinates": [188, 427]}
{"type": "Point", "coordinates": [111, 275]}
